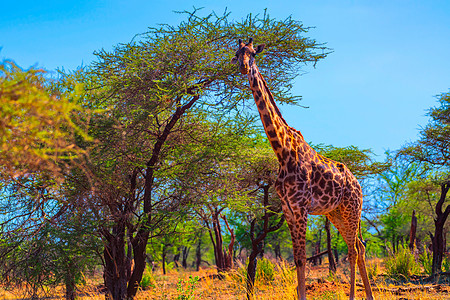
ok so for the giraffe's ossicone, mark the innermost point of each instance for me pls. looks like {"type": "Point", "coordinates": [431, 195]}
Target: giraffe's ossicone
{"type": "Point", "coordinates": [308, 183]}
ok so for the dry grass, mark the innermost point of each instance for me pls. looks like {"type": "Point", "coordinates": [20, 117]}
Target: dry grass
{"type": "Point", "coordinates": [320, 286]}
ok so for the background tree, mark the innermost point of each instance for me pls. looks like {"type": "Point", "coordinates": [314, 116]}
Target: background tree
{"type": "Point", "coordinates": [39, 128]}
{"type": "Point", "coordinates": [43, 242]}
{"type": "Point", "coordinates": [38, 124]}
{"type": "Point", "coordinates": [433, 149]}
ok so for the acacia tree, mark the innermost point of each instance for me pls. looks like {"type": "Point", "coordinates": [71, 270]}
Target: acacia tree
{"type": "Point", "coordinates": [37, 125]}
{"type": "Point", "coordinates": [433, 149]}
{"type": "Point", "coordinates": [57, 252]}
{"type": "Point", "coordinates": [39, 128]}
{"type": "Point", "coordinates": [149, 87]}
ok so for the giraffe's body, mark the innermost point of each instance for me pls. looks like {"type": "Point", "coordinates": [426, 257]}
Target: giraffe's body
{"type": "Point", "coordinates": [307, 183]}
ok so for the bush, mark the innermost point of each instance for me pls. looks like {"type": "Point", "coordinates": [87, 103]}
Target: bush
{"type": "Point", "coordinates": [402, 264]}
{"type": "Point", "coordinates": [446, 264]}
{"type": "Point", "coordinates": [426, 259]}
{"type": "Point", "coordinates": [265, 270]}
{"type": "Point", "coordinates": [147, 279]}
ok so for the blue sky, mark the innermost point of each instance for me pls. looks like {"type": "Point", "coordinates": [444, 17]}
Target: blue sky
{"type": "Point", "coordinates": [390, 57]}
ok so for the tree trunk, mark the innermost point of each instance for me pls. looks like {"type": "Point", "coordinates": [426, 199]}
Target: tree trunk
{"type": "Point", "coordinates": [139, 244]}
{"type": "Point", "coordinates": [318, 244]}
{"type": "Point", "coordinates": [336, 254]}
{"type": "Point", "coordinates": [331, 263]}
{"type": "Point", "coordinates": [316, 256]}
{"type": "Point", "coordinates": [115, 272]}
{"type": "Point", "coordinates": [445, 240]}
{"type": "Point", "coordinates": [198, 254]}
{"type": "Point", "coordinates": [257, 246]}
{"type": "Point", "coordinates": [438, 238]}
{"type": "Point", "coordinates": [176, 258]}
{"type": "Point", "coordinates": [218, 245]}
{"type": "Point", "coordinates": [70, 282]}
{"type": "Point", "coordinates": [185, 256]}
{"type": "Point", "coordinates": [70, 289]}
{"type": "Point", "coordinates": [412, 231]}
{"type": "Point", "coordinates": [228, 256]}
{"type": "Point", "coordinates": [251, 270]}
{"type": "Point", "coordinates": [223, 257]}
{"type": "Point", "coordinates": [164, 259]}
{"type": "Point", "coordinates": [277, 250]}
{"type": "Point", "coordinates": [258, 243]}
{"type": "Point", "coordinates": [438, 246]}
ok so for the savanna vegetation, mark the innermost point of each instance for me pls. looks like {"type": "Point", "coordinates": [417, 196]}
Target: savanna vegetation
{"type": "Point", "coordinates": [147, 175]}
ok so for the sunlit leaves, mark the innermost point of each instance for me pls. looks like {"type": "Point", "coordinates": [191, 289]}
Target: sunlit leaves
{"type": "Point", "coordinates": [358, 161]}
{"type": "Point", "coordinates": [37, 131]}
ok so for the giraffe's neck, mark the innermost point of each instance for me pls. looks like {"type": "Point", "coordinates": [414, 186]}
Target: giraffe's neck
{"type": "Point", "coordinates": [282, 137]}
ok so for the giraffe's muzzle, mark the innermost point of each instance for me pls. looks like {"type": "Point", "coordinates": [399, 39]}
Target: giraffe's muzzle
{"type": "Point", "coordinates": [244, 69]}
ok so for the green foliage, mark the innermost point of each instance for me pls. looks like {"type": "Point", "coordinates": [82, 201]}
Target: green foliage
{"type": "Point", "coordinates": [38, 126]}
{"type": "Point", "coordinates": [265, 270]}
{"type": "Point", "coordinates": [358, 161]}
{"type": "Point", "coordinates": [148, 280]}
{"type": "Point", "coordinates": [446, 264]}
{"type": "Point", "coordinates": [186, 288]}
{"type": "Point", "coordinates": [402, 264]}
{"type": "Point", "coordinates": [426, 259]}
{"type": "Point", "coordinates": [394, 200]}
{"type": "Point", "coordinates": [50, 256]}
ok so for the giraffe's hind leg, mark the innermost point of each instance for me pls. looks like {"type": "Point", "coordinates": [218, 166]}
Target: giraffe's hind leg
{"type": "Point", "coordinates": [347, 224]}
{"type": "Point", "coordinates": [297, 226]}
{"type": "Point", "coordinates": [362, 268]}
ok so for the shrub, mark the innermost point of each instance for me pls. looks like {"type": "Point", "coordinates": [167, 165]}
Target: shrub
{"type": "Point", "coordinates": [402, 264]}
{"type": "Point", "coordinates": [446, 264]}
{"type": "Point", "coordinates": [147, 279]}
{"type": "Point", "coordinates": [426, 259]}
{"type": "Point", "coordinates": [186, 288]}
{"type": "Point", "coordinates": [265, 270]}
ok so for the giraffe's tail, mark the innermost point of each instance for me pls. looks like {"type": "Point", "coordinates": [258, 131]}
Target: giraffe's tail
{"type": "Point", "coordinates": [360, 234]}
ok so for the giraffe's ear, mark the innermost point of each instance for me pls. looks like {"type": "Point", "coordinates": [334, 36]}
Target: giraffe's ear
{"type": "Point", "coordinates": [260, 48]}
{"type": "Point", "coordinates": [234, 60]}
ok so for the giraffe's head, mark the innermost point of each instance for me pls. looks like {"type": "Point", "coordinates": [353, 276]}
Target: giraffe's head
{"type": "Point", "coordinates": [245, 56]}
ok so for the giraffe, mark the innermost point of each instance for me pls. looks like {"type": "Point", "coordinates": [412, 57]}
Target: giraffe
{"type": "Point", "coordinates": [307, 183]}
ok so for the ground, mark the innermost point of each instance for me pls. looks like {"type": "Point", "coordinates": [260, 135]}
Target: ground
{"type": "Point", "coordinates": [280, 284]}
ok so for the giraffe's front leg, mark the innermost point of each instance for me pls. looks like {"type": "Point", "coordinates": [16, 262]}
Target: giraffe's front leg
{"type": "Point", "coordinates": [297, 220]}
